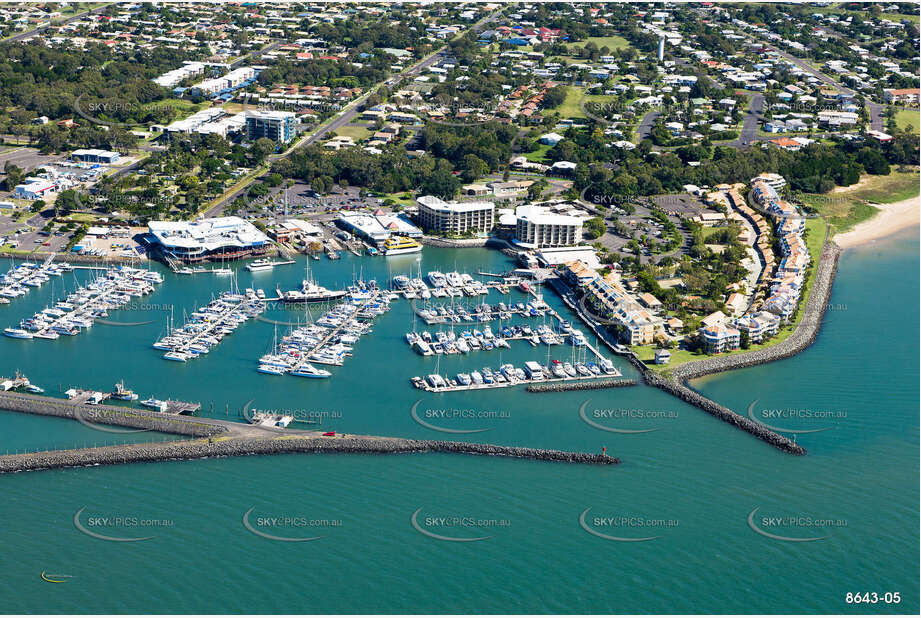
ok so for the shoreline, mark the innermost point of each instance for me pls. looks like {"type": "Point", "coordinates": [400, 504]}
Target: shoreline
{"type": "Point", "coordinates": [890, 219]}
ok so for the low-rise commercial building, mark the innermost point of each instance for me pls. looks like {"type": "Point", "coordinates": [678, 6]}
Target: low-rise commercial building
{"type": "Point", "coordinates": [219, 238]}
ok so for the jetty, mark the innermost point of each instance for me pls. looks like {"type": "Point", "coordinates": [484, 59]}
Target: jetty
{"type": "Point", "coordinates": [211, 437]}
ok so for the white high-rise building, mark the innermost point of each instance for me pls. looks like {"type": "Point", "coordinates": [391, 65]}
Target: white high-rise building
{"type": "Point", "coordinates": [437, 215]}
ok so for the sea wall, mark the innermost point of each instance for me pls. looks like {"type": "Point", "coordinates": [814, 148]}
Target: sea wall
{"type": "Point", "coordinates": [230, 447]}
{"type": "Point", "coordinates": [581, 385]}
{"type": "Point", "coordinates": [108, 415]}
{"type": "Point", "coordinates": [453, 243]}
{"type": "Point", "coordinates": [73, 258]}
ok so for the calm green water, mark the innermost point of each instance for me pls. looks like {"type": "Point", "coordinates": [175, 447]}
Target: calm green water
{"type": "Point", "coordinates": [692, 483]}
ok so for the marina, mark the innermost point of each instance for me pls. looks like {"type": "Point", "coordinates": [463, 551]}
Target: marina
{"type": "Point", "coordinates": [19, 280]}
{"type": "Point", "coordinates": [208, 325]}
{"type": "Point", "coordinates": [81, 308]}
{"type": "Point", "coordinates": [330, 339]}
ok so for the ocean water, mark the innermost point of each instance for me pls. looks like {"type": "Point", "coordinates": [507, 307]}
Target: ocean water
{"type": "Point", "coordinates": [689, 486]}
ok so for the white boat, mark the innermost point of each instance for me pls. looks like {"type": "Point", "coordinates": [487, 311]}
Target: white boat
{"type": "Point", "coordinates": [260, 265]}
{"type": "Point", "coordinates": [309, 371]}
{"type": "Point", "coordinates": [272, 369]}
{"type": "Point", "coordinates": [156, 404]}
{"type": "Point", "coordinates": [17, 333]}
{"type": "Point", "coordinates": [176, 356]}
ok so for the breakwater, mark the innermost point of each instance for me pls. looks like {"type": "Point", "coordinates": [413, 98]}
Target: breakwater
{"type": "Point", "coordinates": [802, 337]}
{"type": "Point", "coordinates": [110, 415]}
{"type": "Point", "coordinates": [585, 385]}
{"type": "Point", "coordinates": [223, 438]}
{"type": "Point", "coordinates": [236, 447]}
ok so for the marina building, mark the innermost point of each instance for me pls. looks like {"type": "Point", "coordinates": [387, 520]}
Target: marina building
{"type": "Point", "coordinates": [277, 126]}
{"type": "Point", "coordinates": [437, 215]}
{"type": "Point", "coordinates": [536, 227]}
{"type": "Point", "coordinates": [378, 227]}
{"type": "Point", "coordinates": [219, 238]}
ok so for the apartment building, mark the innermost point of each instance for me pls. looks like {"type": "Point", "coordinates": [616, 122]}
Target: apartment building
{"type": "Point", "coordinates": [537, 227]}
{"type": "Point", "coordinates": [437, 215]}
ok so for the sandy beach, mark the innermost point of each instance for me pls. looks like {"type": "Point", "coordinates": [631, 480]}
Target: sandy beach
{"type": "Point", "coordinates": [890, 219]}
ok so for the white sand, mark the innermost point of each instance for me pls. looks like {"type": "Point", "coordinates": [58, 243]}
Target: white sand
{"type": "Point", "coordinates": [891, 218]}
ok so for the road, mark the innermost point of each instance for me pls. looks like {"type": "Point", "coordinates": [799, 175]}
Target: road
{"type": "Point", "coordinates": [753, 118]}
{"type": "Point", "coordinates": [644, 129]}
{"type": "Point", "coordinates": [877, 121]}
{"type": "Point", "coordinates": [40, 29]}
{"type": "Point", "coordinates": [348, 115]}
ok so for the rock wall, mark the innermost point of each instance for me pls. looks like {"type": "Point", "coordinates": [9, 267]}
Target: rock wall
{"type": "Point", "coordinates": [229, 447]}
{"type": "Point", "coordinates": [108, 415]}
{"type": "Point", "coordinates": [582, 385]}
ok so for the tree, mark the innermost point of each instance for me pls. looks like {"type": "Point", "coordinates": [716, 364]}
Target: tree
{"type": "Point", "coordinates": [14, 175]}
{"type": "Point", "coordinates": [595, 227]}
{"type": "Point", "coordinates": [473, 167]}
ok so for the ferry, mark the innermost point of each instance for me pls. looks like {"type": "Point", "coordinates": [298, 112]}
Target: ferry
{"type": "Point", "coordinates": [398, 245]}
{"type": "Point", "coordinates": [260, 265]}
{"type": "Point", "coordinates": [17, 333]}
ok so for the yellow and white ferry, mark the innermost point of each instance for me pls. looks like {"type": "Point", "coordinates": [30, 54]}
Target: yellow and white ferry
{"type": "Point", "coordinates": [396, 245]}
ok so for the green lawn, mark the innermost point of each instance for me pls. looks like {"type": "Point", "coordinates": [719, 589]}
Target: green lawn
{"type": "Point", "coordinates": [845, 209]}
{"type": "Point", "coordinates": [906, 117]}
{"type": "Point", "coordinates": [815, 237]}
{"type": "Point", "coordinates": [570, 107]}
{"type": "Point", "coordinates": [538, 155]}
{"type": "Point", "coordinates": [356, 133]}
{"type": "Point", "coordinates": [611, 42]}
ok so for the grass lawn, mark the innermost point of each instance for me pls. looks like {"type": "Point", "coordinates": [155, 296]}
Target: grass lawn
{"type": "Point", "coordinates": [845, 209]}
{"type": "Point", "coordinates": [356, 133]}
{"type": "Point", "coordinates": [184, 107]}
{"type": "Point", "coordinates": [538, 155]}
{"type": "Point", "coordinates": [403, 198]}
{"type": "Point", "coordinates": [611, 42]}
{"type": "Point", "coordinates": [570, 107]}
{"type": "Point", "coordinates": [906, 117]}
{"type": "Point", "coordinates": [815, 237]}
